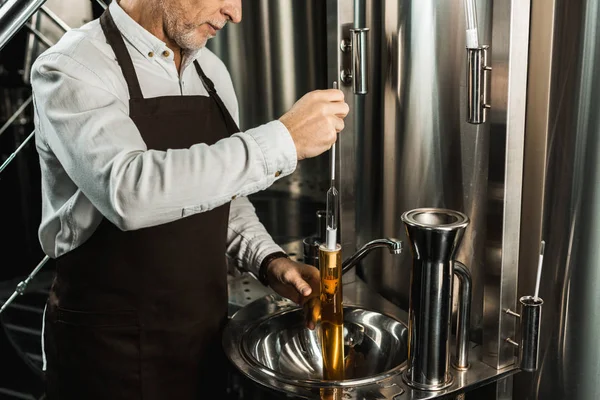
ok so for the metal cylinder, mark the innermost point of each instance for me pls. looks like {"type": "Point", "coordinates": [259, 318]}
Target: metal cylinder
{"type": "Point", "coordinates": [476, 85]}
{"type": "Point", "coordinates": [434, 235]}
{"type": "Point", "coordinates": [360, 71]}
{"type": "Point", "coordinates": [310, 246]}
{"type": "Point", "coordinates": [321, 225]}
{"type": "Point", "coordinates": [531, 317]}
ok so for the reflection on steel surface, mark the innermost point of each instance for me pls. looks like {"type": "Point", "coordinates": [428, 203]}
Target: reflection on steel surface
{"type": "Point", "coordinates": [374, 344]}
{"type": "Point", "coordinates": [414, 145]}
{"type": "Point", "coordinates": [13, 15]}
{"type": "Point", "coordinates": [267, 342]}
{"type": "Point", "coordinates": [562, 187]}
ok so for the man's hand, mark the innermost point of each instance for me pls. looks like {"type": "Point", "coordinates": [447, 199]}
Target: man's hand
{"type": "Point", "coordinates": [314, 121]}
{"type": "Point", "coordinates": [299, 283]}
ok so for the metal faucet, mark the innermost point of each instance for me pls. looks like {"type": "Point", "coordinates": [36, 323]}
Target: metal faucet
{"type": "Point", "coordinates": [393, 245]}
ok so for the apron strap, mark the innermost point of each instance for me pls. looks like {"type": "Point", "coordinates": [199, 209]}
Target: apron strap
{"type": "Point", "coordinates": [114, 38]}
{"type": "Point", "coordinates": [210, 88]}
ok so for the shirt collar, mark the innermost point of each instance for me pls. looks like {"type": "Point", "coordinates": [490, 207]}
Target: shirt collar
{"type": "Point", "coordinates": [143, 41]}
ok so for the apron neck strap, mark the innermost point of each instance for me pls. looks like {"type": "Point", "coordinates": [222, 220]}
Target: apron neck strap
{"type": "Point", "coordinates": [115, 40]}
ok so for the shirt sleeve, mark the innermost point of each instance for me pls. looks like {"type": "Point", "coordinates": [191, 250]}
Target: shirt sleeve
{"type": "Point", "coordinates": [88, 129]}
{"type": "Point", "coordinates": [248, 242]}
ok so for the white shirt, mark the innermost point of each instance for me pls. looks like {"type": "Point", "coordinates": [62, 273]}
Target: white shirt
{"type": "Point", "coordinates": [95, 165]}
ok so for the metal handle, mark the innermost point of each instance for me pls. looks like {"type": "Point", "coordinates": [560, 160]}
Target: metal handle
{"type": "Point", "coordinates": [477, 84]}
{"type": "Point", "coordinates": [358, 75]}
{"type": "Point", "coordinates": [461, 361]}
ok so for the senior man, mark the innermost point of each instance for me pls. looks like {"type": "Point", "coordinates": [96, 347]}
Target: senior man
{"type": "Point", "coordinates": [144, 182]}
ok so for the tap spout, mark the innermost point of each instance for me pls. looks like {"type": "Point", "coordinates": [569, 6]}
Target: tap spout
{"type": "Point", "coordinates": [392, 244]}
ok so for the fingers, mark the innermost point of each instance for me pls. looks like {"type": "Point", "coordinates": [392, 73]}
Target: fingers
{"type": "Point", "coordinates": [294, 278]}
{"type": "Point", "coordinates": [312, 312]}
{"type": "Point", "coordinates": [340, 109]}
{"type": "Point", "coordinates": [338, 125]}
{"type": "Point", "coordinates": [331, 94]}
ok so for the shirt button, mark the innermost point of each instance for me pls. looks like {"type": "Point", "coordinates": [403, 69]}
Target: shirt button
{"type": "Point", "coordinates": [277, 174]}
{"type": "Point", "coordinates": [151, 54]}
{"type": "Point", "coordinates": [166, 53]}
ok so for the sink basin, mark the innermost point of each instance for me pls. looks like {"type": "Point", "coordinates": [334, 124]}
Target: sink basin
{"type": "Point", "coordinates": [268, 342]}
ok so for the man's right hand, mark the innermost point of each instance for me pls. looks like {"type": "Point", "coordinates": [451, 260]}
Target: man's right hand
{"type": "Point", "coordinates": [314, 121]}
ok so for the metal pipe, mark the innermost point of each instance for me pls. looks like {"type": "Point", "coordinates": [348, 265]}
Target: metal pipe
{"type": "Point", "coordinates": [13, 155]}
{"type": "Point", "coordinates": [39, 35]}
{"type": "Point", "coordinates": [102, 4]}
{"type": "Point", "coordinates": [31, 49]}
{"type": "Point", "coordinates": [13, 15]}
{"type": "Point", "coordinates": [15, 115]}
{"type": "Point", "coordinates": [22, 286]}
{"type": "Point", "coordinates": [55, 18]}
{"type": "Point", "coordinates": [461, 362]}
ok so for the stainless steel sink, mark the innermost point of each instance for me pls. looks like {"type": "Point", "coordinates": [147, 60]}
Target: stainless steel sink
{"type": "Point", "coordinates": [268, 341]}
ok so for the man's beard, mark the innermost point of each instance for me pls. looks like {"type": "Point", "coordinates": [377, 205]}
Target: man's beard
{"type": "Point", "coordinates": [185, 36]}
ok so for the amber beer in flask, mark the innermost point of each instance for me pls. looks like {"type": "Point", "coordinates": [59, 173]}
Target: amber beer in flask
{"type": "Point", "coordinates": [332, 316]}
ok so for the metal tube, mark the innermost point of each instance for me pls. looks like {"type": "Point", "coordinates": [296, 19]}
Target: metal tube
{"type": "Point", "coordinates": [531, 318]}
{"type": "Point", "coordinates": [102, 4]}
{"type": "Point", "coordinates": [22, 286]}
{"type": "Point", "coordinates": [15, 115]}
{"type": "Point", "coordinates": [13, 15]}
{"type": "Point", "coordinates": [55, 18]}
{"type": "Point", "coordinates": [12, 156]}
{"type": "Point", "coordinates": [360, 71]}
{"type": "Point", "coordinates": [321, 225]}
{"type": "Point", "coordinates": [31, 50]}
{"type": "Point", "coordinates": [477, 85]}
{"type": "Point", "coordinates": [39, 35]}
{"type": "Point", "coordinates": [463, 316]}
{"type": "Point", "coordinates": [310, 248]}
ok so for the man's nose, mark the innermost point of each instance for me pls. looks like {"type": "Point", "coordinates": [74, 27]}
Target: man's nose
{"type": "Point", "coordinates": [233, 10]}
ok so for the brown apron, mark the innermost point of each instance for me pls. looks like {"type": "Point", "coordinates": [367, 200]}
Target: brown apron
{"type": "Point", "coordinates": [139, 314]}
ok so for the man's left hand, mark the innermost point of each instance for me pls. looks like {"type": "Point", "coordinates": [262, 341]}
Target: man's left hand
{"type": "Point", "coordinates": [298, 282]}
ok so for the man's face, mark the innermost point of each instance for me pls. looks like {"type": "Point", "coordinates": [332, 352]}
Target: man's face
{"type": "Point", "coordinates": [190, 23]}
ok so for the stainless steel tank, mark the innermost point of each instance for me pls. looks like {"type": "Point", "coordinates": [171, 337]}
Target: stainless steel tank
{"type": "Point", "coordinates": [562, 198]}
{"type": "Point", "coordinates": [415, 148]}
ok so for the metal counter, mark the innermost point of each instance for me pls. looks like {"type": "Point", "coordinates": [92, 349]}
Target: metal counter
{"type": "Point", "coordinates": [244, 289]}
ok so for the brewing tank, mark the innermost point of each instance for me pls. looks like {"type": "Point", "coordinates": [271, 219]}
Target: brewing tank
{"type": "Point", "coordinates": [562, 199]}
{"type": "Point", "coordinates": [415, 148]}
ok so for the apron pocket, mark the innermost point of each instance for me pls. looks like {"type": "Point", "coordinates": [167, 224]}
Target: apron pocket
{"type": "Point", "coordinates": [97, 355]}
